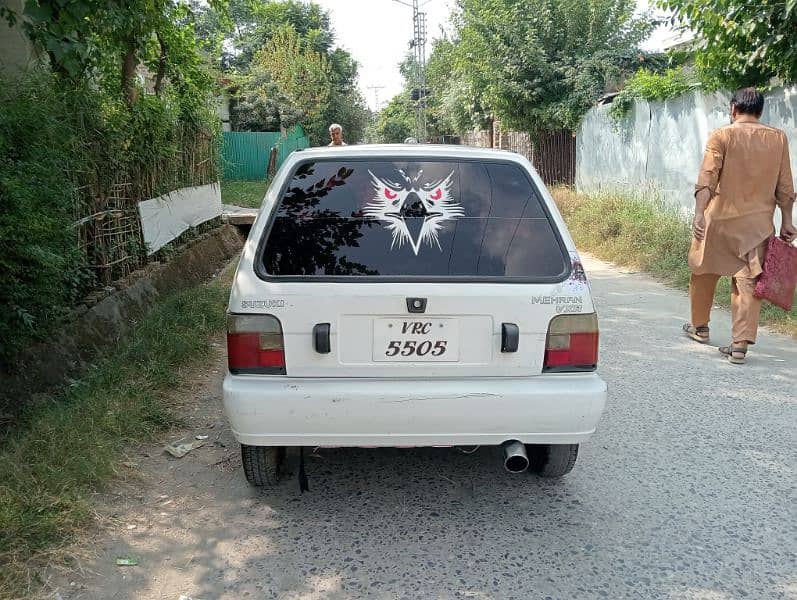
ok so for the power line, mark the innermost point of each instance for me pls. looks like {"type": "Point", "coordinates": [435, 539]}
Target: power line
{"type": "Point", "coordinates": [375, 89]}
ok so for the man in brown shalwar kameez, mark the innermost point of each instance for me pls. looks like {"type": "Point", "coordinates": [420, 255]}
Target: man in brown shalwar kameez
{"type": "Point", "coordinates": [744, 175]}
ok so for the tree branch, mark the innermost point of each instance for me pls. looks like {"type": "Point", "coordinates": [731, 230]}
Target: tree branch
{"type": "Point", "coordinates": [161, 66]}
{"type": "Point", "coordinates": [129, 64]}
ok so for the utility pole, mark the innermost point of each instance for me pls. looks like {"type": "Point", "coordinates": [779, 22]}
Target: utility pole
{"type": "Point", "coordinates": [418, 44]}
{"type": "Point", "coordinates": [375, 89]}
{"type": "Point", "coordinates": [375, 112]}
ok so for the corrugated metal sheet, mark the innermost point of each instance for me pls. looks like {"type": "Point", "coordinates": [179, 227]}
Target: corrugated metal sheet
{"type": "Point", "coordinates": [245, 154]}
{"type": "Point", "coordinates": [295, 140]}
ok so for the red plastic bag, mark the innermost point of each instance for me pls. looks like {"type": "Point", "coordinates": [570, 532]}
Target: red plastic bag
{"type": "Point", "coordinates": [779, 278]}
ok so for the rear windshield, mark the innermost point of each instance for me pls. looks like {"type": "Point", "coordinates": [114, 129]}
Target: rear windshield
{"type": "Point", "coordinates": [390, 218]}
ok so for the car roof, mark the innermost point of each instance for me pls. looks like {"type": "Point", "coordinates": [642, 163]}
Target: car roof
{"type": "Point", "coordinates": [406, 150]}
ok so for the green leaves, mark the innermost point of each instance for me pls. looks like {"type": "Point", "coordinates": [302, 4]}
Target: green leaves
{"type": "Point", "coordinates": [647, 85]}
{"type": "Point", "coordinates": [61, 28]}
{"type": "Point", "coordinates": [540, 64]}
{"type": "Point", "coordinates": [741, 43]}
{"type": "Point", "coordinates": [289, 82]}
{"type": "Point", "coordinates": [36, 12]}
{"type": "Point", "coordinates": [396, 120]}
{"type": "Point", "coordinates": [289, 72]}
{"type": "Point", "coordinates": [88, 38]}
{"type": "Point", "coordinates": [39, 257]}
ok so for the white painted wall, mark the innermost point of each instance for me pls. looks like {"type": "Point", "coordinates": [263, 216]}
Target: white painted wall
{"type": "Point", "coordinates": [659, 146]}
{"type": "Point", "coordinates": [223, 110]}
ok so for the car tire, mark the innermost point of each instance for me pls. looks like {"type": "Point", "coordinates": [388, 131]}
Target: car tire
{"type": "Point", "coordinates": [551, 460]}
{"type": "Point", "coordinates": [262, 464]}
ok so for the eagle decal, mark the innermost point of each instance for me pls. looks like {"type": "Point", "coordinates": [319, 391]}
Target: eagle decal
{"type": "Point", "coordinates": [413, 211]}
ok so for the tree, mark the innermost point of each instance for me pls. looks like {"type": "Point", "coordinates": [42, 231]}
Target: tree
{"type": "Point", "coordinates": [288, 83]}
{"type": "Point", "coordinates": [300, 72]}
{"type": "Point", "coordinates": [249, 25]}
{"type": "Point", "coordinates": [278, 49]}
{"type": "Point", "coordinates": [262, 106]}
{"type": "Point", "coordinates": [541, 64]}
{"type": "Point", "coordinates": [84, 38]}
{"type": "Point", "coordinates": [396, 121]}
{"type": "Point", "coordinates": [346, 105]}
{"type": "Point", "coordinates": [741, 42]}
{"type": "Point", "coordinates": [454, 104]}
{"type": "Point", "coordinates": [62, 29]}
{"type": "Point", "coordinates": [263, 20]}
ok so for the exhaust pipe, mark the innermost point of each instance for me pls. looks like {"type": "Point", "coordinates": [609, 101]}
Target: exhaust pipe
{"type": "Point", "coordinates": [515, 459]}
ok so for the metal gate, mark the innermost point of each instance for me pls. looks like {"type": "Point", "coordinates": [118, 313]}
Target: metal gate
{"type": "Point", "coordinates": [245, 154]}
{"type": "Point", "coordinates": [553, 153]}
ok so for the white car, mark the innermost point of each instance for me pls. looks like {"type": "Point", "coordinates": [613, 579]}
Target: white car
{"type": "Point", "coordinates": [411, 295]}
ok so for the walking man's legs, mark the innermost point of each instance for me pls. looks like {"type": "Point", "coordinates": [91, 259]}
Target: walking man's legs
{"type": "Point", "coordinates": [701, 297]}
{"type": "Point", "coordinates": [745, 310]}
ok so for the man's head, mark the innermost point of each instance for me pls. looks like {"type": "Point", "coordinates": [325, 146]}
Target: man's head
{"type": "Point", "coordinates": [747, 101]}
{"type": "Point", "coordinates": [336, 134]}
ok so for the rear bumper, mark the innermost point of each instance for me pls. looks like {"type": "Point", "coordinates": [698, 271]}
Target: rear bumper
{"type": "Point", "coordinates": [281, 411]}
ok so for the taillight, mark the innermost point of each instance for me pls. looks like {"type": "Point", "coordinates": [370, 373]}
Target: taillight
{"type": "Point", "coordinates": [572, 343]}
{"type": "Point", "coordinates": [254, 345]}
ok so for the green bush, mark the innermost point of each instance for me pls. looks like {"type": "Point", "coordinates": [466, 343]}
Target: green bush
{"type": "Point", "coordinates": [167, 141]}
{"type": "Point", "coordinates": [647, 85]}
{"type": "Point", "coordinates": [43, 270]}
{"type": "Point", "coordinates": [63, 148]}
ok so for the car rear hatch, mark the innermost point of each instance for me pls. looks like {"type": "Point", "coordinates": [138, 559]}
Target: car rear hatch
{"type": "Point", "coordinates": [396, 268]}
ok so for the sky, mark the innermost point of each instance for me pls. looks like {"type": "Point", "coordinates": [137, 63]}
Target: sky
{"type": "Point", "coordinates": [377, 32]}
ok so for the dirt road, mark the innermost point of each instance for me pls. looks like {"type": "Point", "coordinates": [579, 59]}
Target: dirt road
{"type": "Point", "coordinates": [686, 491]}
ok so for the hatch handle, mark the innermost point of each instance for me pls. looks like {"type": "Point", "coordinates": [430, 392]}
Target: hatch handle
{"type": "Point", "coordinates": [321, 338]}
{"type": "Point", "coordinates": [510, 337]}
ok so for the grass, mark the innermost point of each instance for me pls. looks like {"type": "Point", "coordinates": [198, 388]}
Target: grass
{"type": "Point", "coordinates": [247, 194]}
{"type": "Point", "coordinates": [69, 447]}
{"type": "Point", "coordinates": [647, 235]}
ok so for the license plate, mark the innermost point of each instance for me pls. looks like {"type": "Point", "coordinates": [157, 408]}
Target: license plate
{"type": "Point", "coordinates": [416, 340]}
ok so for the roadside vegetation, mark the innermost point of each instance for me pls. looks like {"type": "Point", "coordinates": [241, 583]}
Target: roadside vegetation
{"type": "Point", "coordinates": [720, 56]}
{"type": "Point", "coordinates": [540, 65]}
{"type": "Point", "coordinates": [83, 140]}
{"type": "Point", "coordinates": [247, 194]}
{"type": "Point", "coordinates": [740, 43]}
{"type": "Point", "coordinates": [281, 66]}
{"type": "Point", "coordinates": [70, 445]}
{"type": "Point", "coordinates": [124, 109]}
{"type": "Point", "coordinates": [645, 235]}
{"type": "Point", "coordinates": [650, 86]}
{"type": "Point", "coordinates": [534, 65]}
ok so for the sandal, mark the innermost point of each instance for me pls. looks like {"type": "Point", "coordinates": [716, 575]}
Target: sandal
{"type": "Point", "coordinates": [699, 334]}
{"type": "Point", "coordinates": [731, 350]}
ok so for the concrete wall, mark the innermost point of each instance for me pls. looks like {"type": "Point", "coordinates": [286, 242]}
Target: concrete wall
{"type": "Point", "coordinates": [659, 145]}
{"type": "Point", "coordinates": [16, 51]}
{"type": "Point", "coordinates": [223, 110]}
{"type": "Point", "coordinates": [105, 319]}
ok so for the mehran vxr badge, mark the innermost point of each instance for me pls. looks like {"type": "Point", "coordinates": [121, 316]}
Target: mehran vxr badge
{"type": "Point", "coordinates": [413, 211]}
